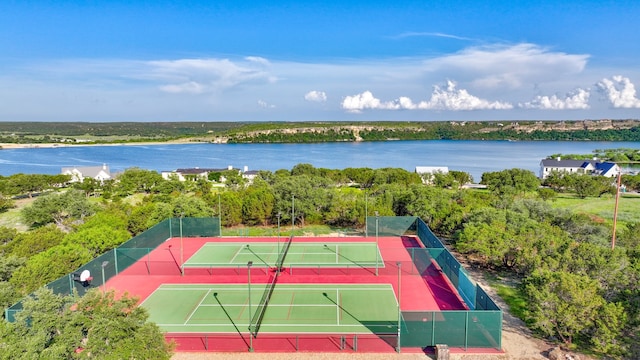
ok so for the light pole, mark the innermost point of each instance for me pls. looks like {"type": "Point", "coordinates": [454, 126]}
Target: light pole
{"type": "Point", "coordinates": [181, 248]}
{"type": "Point", "coordinates": [219, 215]}
{"type": "Point", "coordinates": [376, 243]}
{"type": "Point", "coordinates": [293, 213]}
{"type": "Point", "coordinates": [399, 297]}
{"type": "Point", "coordinates": [249, 286]}
{"type": "Point", "coordinates": [366, 214]}
{"type": "Point", "coordinates": [104, 264]}
{"type": "Point", "coordinates": [278, 216]}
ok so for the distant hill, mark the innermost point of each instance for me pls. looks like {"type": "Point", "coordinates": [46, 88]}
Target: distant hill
{"type": "Point", "coordinates": [301, 132]}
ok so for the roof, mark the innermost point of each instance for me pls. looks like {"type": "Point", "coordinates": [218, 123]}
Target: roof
{"type": "Point", "coordinates": [197, 170]}
{"type": "Point", "coordinates": [605, 167]}
{"type": "Point", "coordinates": [87, 171]}
{"type": "Point", "coordinates": [601, 167]}
{"type": "Point", "coordinates": [567, 163]}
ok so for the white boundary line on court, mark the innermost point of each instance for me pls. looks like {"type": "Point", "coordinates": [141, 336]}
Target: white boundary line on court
{"type": "Point", "coordinates": [197, 307]}
{"type": "Point", "coordinates": [243, 287]}
{"type": "Point", "coordinates": [236, 254]}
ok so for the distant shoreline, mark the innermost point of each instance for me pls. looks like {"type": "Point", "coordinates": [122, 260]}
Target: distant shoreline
{"type": "Point", "coordinates": [11, 146]}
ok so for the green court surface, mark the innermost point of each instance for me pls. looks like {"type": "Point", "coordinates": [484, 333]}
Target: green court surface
{"type": "Point", "coordinates": [265, 254]}
{"type": "Point", "coordinates": [293, 308]}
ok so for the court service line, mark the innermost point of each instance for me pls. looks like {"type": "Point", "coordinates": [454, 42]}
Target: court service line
{"type": "Point", "coordinates": [237, 253]}
{"type": "Point", "coordinates": [338, 306]}
{"type": "Point", "coordinates": [197, 306]}
{"type": "Point", "coordinates": [283, 287]}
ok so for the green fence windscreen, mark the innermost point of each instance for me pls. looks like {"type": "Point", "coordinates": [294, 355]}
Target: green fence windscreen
{"type": "Point", "coordinates": [481, 329]}
{"type": "Point", "coordinates": [389, 225]}
{"type": "Point", "coordinates": [194, 227]}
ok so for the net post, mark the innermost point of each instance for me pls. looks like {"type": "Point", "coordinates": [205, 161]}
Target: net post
{"type": "Point", "coordinates": [70, 284]}
{"type": "Point", "coordinates": [149, 261]}
{"type": "Point", "coordinates": [466, 330]}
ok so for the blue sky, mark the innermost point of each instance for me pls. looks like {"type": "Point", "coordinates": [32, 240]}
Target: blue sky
{"type": "Point", "coordinates": [301, 61]}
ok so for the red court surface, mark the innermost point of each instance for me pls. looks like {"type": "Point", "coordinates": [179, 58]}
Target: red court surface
{"type": "Point", "coordinates": [429, 291]}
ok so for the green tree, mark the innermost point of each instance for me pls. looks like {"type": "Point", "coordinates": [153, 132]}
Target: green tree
{"type": "Point", "coordinates": [8, 295]}
{"type": "Point", "coordinates": [345, 207]}
{"type": "Point", "coordinates": [136, 180]}
{"type": "Point", "coordinates": [190, 206]}
{"type": "Point", "coordinates": [139, 218]}
{"type": "Point", "coordinates": [606, 335]}
{"type": "Point", "coordinates": [5, 203]}
{"type": "Point", "coordinates": [89, 186]}
{"type": "Point", "coordinates": [233, 179]}
{"type": "Point", "coordinates": [231, 204]}
{"type": "Point", "coordinates": [8, 264]}
{"type": "Point", "coordinates": [58, 208]}
{"type": "Point", "coordinates": [48, 266]}
{"type": "Point", "coordinates": [6, 235]}
{"type": "Point", "coordinates": [511, 181]}
{"type": "Point", "coordinates": [461, 178]}
{"type": "Point", "coordinates": [562, 304]}
{"type": "Point", "coordinates": [29, 243]}
{"type": "Point", "coordinates": [310, 193]}
{"type": "Point", "coordinates": [258, 202]}
{"type": "Point", "coordinates": [546, 193]}
{"type": "Point", "coordinates": [94, 326]}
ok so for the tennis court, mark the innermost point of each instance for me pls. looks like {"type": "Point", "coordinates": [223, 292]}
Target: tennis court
{"type": "Point", "coordinates": [292, 308]}
{"type": "Point", "coordinates": [299, 254]}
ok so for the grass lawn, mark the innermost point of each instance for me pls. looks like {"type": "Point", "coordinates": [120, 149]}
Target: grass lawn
{"type": "Point", "coordinates": [12, 217]}
{"type": "Point", "coordinates": [601, 209]}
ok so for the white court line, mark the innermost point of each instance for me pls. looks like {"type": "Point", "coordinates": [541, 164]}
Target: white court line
{"type": "Point", "coordinates": [238, 252]}
{"type": "Point", "coordinates": [338, 307]}
{"type": "Point", "coordinates": [312, 287]}
{"type": "Point", "coordinates": [197, 307]}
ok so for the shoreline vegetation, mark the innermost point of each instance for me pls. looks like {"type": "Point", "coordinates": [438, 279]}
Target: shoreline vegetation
{"type": "Point", "coordinates": [14, 135]}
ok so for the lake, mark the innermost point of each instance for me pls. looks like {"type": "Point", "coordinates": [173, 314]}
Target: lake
{"type": "Point", "coordinates": [474, 157]}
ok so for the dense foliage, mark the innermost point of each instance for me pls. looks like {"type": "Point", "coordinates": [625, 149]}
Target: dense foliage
{"type": "Point", "coordinates": [95, 326]}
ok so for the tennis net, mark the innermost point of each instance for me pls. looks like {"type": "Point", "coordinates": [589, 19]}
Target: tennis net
{"type": "Point", "coordinates": [283, 253]}
{"type": "Point", "coordinates": [256, 320]}
{"type": "Point", "coordinates": [262, 306]}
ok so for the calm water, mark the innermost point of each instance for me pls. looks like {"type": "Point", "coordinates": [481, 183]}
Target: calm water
{"type": "Point", "coordinates": [474, 157]}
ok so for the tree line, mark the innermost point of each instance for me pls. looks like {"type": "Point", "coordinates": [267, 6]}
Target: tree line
{"type": "Point", "coordinates": [319, 131]}
{"type": "Point", "coordinates": [576, 289]}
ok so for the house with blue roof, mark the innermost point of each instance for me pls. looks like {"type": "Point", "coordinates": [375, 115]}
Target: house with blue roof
{"type": "Point", "coordinates": [591, 167]}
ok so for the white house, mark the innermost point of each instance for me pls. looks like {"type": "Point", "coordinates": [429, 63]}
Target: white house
{"type": "Point", "coordinates": [426, 172]}
{"type": "Point", "coordinates": [195, 173]}
{"type": "Point", "coordinates": [593, 167]}
{"type": "Point", "coordinates": [79, 173]}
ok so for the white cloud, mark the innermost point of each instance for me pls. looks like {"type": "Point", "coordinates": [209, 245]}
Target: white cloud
{"type": "Point", "coordinates": [316, 96]}
{"type": "Point", "coordinates": [197, 76]}
{"type": "Point", "coordinates": [429, 34]}
{"type": "Point", "coordinates": [577, 100]}
{"type": "Point", "coordinates": [265, 105]}
{"type": "Point", "coordinates": [500, 66]}
{"type": "Point", "coordinates": [356, 103]}
{"type": "Point", "coordinates": [451, 98]}
{"type": "Point", "coordinates": [190, 87]}
{"type": "Point", "coordinates": [448, 98]}
{"type": "Point", "coordinates": [620, 92]}
{"type": "Point", "coordinates": [258, 60]}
